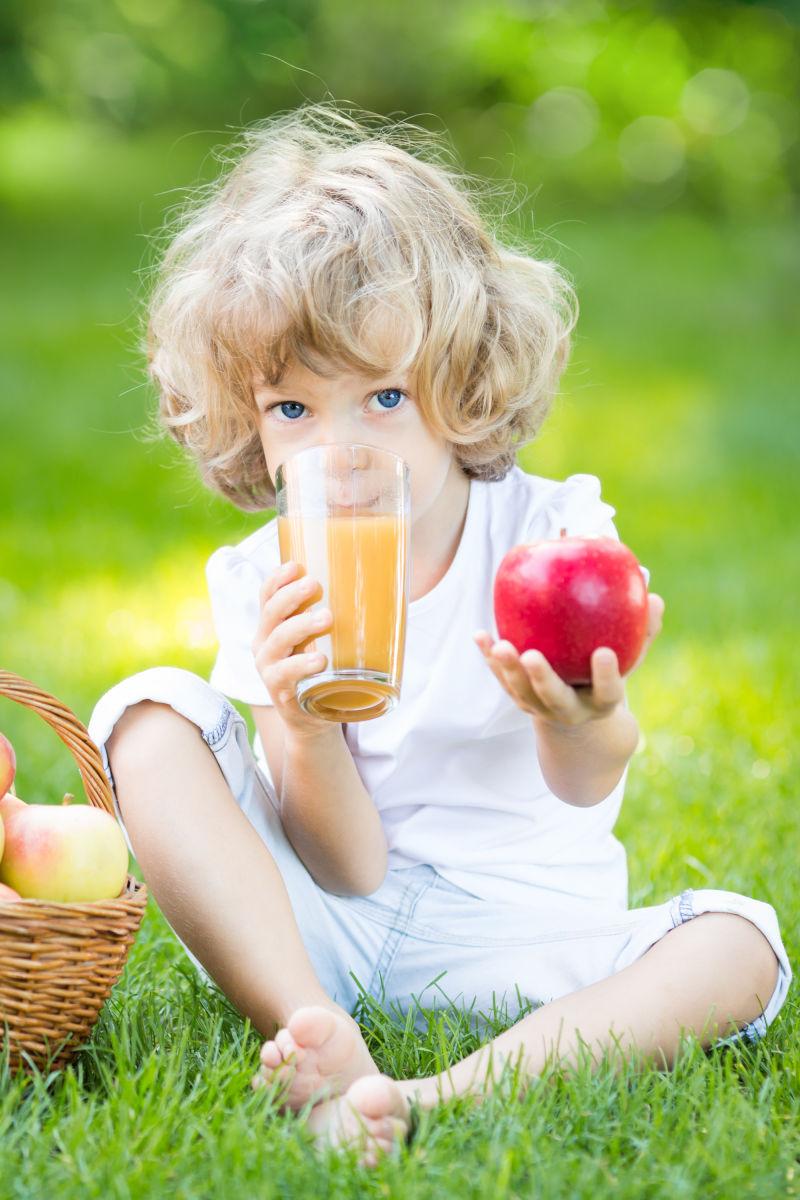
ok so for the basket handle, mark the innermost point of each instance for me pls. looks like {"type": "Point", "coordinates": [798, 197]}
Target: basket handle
{"type": "Point", "coordinates": [73, 734]}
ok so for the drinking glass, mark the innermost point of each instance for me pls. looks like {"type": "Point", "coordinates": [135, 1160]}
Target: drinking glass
{"type": "Point", "coordinates": [344, 515]}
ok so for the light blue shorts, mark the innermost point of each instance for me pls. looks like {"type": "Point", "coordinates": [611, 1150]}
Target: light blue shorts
{"type": "Point", "coordinates": [420, 940]}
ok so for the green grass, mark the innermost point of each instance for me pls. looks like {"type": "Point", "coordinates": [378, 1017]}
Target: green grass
{"type": "Point", "coordinates": [680, 397]}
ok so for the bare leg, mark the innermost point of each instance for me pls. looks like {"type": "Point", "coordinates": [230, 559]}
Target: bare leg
{"type": "Point", "coordinates": [709, 976]}
{"type": "Point", "coordinates": [215, 880]}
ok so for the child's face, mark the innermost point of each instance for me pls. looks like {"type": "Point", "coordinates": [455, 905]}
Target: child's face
{"type": "Point", "coordinates": [306, 410]}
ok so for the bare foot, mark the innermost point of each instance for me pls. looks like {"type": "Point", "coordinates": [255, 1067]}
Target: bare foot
{"type": "Point", "coordinates": [373, 1116]}
{"type": "Point", "coordinates": [319, 1054]}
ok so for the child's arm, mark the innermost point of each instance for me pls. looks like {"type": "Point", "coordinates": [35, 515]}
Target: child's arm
{"type": "Point", "coordinates": [326, 811]}
{"type": "Point", "coordinates": [328, 815]}
{"type": "Point", "coordinates": [584, 763]}
{"type": "Point", "coordinates": [584, 736]}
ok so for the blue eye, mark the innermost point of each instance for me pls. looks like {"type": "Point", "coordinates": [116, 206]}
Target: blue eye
{"type": "Point", "coordinates": [292, 410]}
{"type": "Point", "coordinates": [289, 404]}
{"type": "Point", "coordinates": [393, 393]}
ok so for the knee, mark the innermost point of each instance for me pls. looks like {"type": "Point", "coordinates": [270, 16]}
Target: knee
{"type": "Point", "coordinates": [144, 729]}
{"type": "Point", "coordinates": [752, 951]}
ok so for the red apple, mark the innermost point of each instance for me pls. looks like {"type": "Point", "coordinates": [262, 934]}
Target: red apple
{"type": "Point", "coordinates": [8, 764]}
{"type": "Point", "coordinates": [566, 596]}
{"type": "Point", "coordinates": [8, 895]}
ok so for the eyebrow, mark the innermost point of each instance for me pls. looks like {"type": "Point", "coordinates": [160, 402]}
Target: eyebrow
{"type": "Point", "coordinates": [301, 391]}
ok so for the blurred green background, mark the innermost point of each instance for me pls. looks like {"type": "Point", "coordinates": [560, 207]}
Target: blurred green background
{"type": "Point", "coordinates": [651, 148]}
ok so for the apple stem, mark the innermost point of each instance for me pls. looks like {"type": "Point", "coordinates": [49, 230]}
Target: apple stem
{"type": "Point", "coordinates": [68, 798]}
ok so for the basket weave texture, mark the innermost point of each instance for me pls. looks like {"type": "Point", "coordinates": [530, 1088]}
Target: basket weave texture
{"type": "Point", "coordinates": [59, 960]}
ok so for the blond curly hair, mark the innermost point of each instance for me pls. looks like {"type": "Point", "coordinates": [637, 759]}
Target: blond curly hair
{"type": "Point", "coordinates": [327, 242]}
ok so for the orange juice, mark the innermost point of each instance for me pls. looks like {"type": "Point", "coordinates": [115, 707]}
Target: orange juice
{"type": "Point", "coordinates": [360, 560]}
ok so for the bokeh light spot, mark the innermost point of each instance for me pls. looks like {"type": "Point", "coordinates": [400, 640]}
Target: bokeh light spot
{"type": "Point", "coordinates": [752, 151]}
{"type": "Point", "coordinates": [652, 149]}
{"type": "Point", "coordinates": [148, 12]}
{"type": "Point", "coordinates": [715, 101]}
{"type": "Point", "coordinates": [563, 121]}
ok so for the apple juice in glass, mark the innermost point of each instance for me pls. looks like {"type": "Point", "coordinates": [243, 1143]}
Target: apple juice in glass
{"type": "Point", "coordinates": [344, 515]}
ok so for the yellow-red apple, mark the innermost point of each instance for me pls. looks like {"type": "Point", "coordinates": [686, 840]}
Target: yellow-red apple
{"type": "Point", "coordinates": [9, 804]}
{"type": "Point", "coordinates": [8, 764]}
{"type": "Point", "coordinates": [64, 852]}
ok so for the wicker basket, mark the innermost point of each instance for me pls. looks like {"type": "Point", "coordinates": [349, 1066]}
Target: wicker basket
{"type": "Point", "coordinates": [59, 960]}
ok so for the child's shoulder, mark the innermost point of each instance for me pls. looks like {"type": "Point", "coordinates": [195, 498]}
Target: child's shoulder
{"type": "Point", "coordinates": [257, 555]}
{"type": "Point", "coordinates": [543, 506]}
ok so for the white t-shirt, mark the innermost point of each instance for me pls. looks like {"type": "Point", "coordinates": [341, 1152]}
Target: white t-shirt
{"type": "Point", "coordinates": [453, 768]}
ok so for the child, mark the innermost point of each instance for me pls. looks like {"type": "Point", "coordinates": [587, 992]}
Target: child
{"type": "Point", "coordinates": [339, 285]}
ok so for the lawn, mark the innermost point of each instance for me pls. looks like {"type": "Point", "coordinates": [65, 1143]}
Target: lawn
{"type": "Point", "coordinates": [680, 397]}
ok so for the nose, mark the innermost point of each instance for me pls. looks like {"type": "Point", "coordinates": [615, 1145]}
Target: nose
{"type": "Point", "coordinates": [350, 475]}
{"type": "Point", "coordinates": [346, 457]}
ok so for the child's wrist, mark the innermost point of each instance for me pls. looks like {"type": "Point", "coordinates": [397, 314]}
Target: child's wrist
{"type": "Point", "coordinates": [329, 733]}
{"type": "Point", "coordinates": [582, 764]}
{"type": "Point", "coordinates": [590, 723]}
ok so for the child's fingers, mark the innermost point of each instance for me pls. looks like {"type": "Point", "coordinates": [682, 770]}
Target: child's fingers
{"type": "Point", "coordinates": [533, 683]}
{"type": "Point", "coordinates": [557, 696]}
{"type": "Point", "coordinates": [294, 597]}
{"type": "Point", "coordinates": [279, 577]}
{"type": "Point", "coordinates": [516, 677]}
{"type": "Point", "coordinates": [608, 690]}
{"type": "Point", "coordinates": [655, 618]}
{"type": "Point", "coordinates": [485, 646]}
{"type": "Point", "coordinates": [655, 613]}
{"type": "Point", "coordinates": [504, 663]}
{"type": "Point", "coordinates": [281, 679]}
{"type": "Point", "coordinates": [293, 633]}
{"type": "Point", "coordinates": [495, 666]}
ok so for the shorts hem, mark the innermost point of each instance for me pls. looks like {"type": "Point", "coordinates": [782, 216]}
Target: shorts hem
{"type": "Point", "coordinates": [685, 907]}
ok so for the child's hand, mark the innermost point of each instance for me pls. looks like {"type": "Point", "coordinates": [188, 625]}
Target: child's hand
{"type": "Point", "coordinates": [284, 625]}
{"type": "Point", "coordinates": [534, 686]}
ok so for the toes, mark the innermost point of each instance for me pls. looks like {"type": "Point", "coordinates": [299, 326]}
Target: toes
{"type": "Point", "coordinates": [371, 1117]}
{"type": "Point", "coordinates": [263, 1077]}
{"type": "Point", "coordinates": [399, 1130]}
{"type": "Point", "coordinates": [385, 1132]}
{"type": "Point", "coordinates": [383, 1136]}
{"type": "Point", "coordinates": [271, 1055]}
{"type": "Point", "coordinates": [381, 1110]}
{"type": "Point", "coordinates": [313, 1025]}
{"type": "Point", "coordinates": [378, 1096]}
{"type": "Point", "coordinates": [288, 1046]}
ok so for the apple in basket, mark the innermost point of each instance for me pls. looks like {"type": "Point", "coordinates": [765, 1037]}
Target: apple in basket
{"type": "Point", "coordinates": [67, 852]}
{"type": "Point", "coordinates": [567, 596]}
{"type": "Point", "coordinates": [9, 805]}
{"type": "Point", "coordinates": [8, 764]}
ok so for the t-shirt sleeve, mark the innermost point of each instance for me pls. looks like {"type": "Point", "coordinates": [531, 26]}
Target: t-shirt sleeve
{"type": "Point", "coordinates": [233, 587]}
{"type": "Point", "coordinates": [575, 505]}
